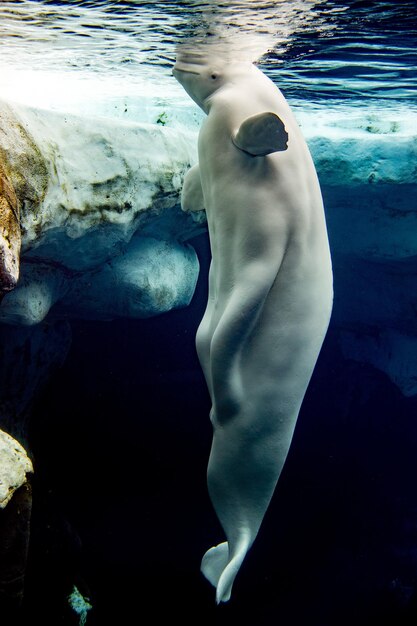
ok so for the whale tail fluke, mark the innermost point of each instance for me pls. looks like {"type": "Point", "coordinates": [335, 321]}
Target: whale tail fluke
{"type": "Point", "coordinates": [220, 568]}
{"type": "Point", "coordinates": [214, 562]}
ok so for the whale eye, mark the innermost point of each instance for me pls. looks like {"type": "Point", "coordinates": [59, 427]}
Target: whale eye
{"type": "Point", "coordinates": [214, 76]}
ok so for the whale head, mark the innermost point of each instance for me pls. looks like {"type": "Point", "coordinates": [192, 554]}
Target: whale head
{"type": "Point", "coordinates": [202, 74]}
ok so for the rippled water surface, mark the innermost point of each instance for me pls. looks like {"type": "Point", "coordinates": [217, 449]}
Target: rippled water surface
{"type": "Point", "coordinates": [315, 51]}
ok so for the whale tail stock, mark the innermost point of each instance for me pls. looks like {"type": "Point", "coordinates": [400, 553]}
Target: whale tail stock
{"type": "Point", "coordinates": [246, 460]}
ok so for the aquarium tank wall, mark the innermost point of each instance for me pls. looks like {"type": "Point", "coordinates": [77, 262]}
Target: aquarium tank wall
{"type": "Point", "coordinates": [104, 408]}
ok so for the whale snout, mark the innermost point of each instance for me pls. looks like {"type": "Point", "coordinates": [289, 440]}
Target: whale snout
{"type": "Point", "coordinates": [184, 71]}
{"type": "Point", "coordinates": [189, 62]}
{"type": "Point", "coordinates": [185, 68]}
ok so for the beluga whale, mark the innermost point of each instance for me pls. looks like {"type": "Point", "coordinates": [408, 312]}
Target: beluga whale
{"type": "Point", "coordinates": [270, 288]}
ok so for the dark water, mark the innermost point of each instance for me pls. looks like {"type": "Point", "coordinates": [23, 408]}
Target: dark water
{"type": "Point", "coordinates": [121, 434]}
{"type": "Point", "coordinates": [364, 50]}
{"type": "Point", "coordinates": [121, 438]}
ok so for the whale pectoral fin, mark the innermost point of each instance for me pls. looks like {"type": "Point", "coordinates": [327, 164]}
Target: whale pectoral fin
{"type": "Point", "coordinates": [261, 134]}
{"type": "Point", "coordinates": [192, 198]}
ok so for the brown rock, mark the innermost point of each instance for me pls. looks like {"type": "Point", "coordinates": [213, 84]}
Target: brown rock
{"type": "Point", "coordinates": [23, 181]}
{"type": "Point", "coordinates": [10, 238]}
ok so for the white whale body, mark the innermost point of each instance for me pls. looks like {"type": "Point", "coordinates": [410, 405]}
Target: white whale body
{"type": "Point", "coordinates": [270, 288]}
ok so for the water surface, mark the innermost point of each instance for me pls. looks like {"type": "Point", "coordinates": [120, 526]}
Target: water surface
{"type": "Point", "coordinates": [318, 52]}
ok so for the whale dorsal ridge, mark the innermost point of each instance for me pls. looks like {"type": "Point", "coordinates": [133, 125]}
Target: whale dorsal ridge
{"type": "Point", "coordinates": [261, 134]}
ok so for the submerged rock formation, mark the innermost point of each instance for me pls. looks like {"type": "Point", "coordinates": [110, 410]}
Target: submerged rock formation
{"type": "Point", "coordinates": [15, 513]}
{"type": "Point", "coordinates": [10, 239]}
{"type": "Point", "coordinates": [102, 232]}
{"type": "Point", "coordinates": [23, 182]}
{"type": "Point", "coordinates": [103, 235]}
{"type": "Point", "coordinates": [369, 182]}
{"type": "Point", "coordinates": [15, 465]}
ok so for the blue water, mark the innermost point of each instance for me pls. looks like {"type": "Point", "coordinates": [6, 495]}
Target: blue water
{"type": "Point", "coordinates": [121, 435]}
{"type": "Point", "coordinates": [317, 52]}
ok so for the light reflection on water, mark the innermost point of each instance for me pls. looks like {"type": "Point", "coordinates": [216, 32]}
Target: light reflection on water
{"type": "Point", "coordinates": [315, 51]}
{"type": "Point", "coordinates": [106, 37]}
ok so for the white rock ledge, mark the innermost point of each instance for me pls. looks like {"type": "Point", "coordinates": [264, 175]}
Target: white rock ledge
{"type": "Point", "coordinates": [103, 235]}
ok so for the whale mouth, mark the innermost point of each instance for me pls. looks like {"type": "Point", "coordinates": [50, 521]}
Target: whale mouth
{"type": "Point", "coordinates": [184, 71]}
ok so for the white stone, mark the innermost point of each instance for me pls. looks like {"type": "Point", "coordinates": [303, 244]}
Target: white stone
{"type": "Point", "coordinates": [14, 465]}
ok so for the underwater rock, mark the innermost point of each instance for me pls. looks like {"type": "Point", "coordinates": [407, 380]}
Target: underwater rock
{"type": "Point", "coordinates": [88, 188]}
{"type": "Point", "coordinates": [85, 188]}
{"type": "Point", "coordinates": [23, 181]}
{"type": "Point", "coordinates": [10, 239]}
{"type": "Point", "coordinates": [369, 182]}
{"type": "Point", "coordinates": [28, 356]}
{"type": "Point", "coordinates": [149, 278]}
{"type": "Point", "coordinates": [14, 466]}
{"type": "Point", "coordinates": [40, 287]}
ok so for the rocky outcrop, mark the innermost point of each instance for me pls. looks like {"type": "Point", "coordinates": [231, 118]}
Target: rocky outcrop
{"type": "Point", "coordinates": [23, 182]}
{"type": "Point", "coordinates": [15, 513]}
{"type": "Point", "coordinates": [369, 181]}
{"type": "Point", "coordinates": [15, 465]}
{"type": "Point", "coordinates": [10, 239]}
{"type": "Point", "coordinates": [103, 235]}
{"type": "Point", "coordinates": [102, 232]}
